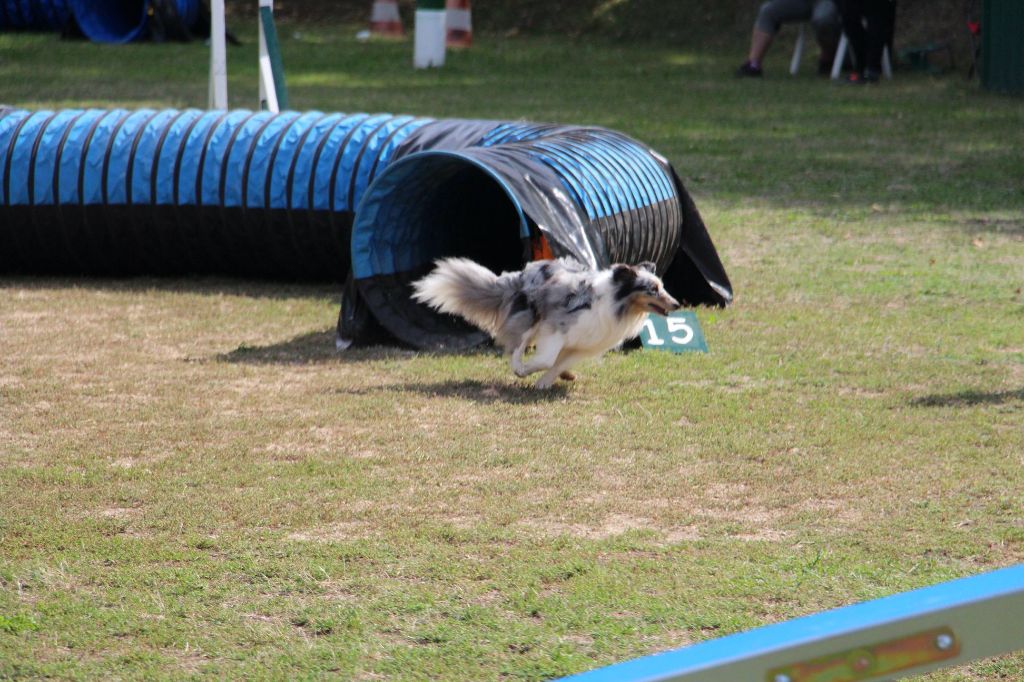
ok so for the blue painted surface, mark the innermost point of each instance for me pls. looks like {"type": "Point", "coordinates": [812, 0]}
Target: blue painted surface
{"type": "Point", "coordinates": [812, 628]}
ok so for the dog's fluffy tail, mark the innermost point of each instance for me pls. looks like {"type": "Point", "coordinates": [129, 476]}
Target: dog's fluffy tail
{"type": "Point", "coordinates": [465, 288]}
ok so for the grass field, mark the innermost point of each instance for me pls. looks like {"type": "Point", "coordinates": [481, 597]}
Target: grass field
{"type": "Point", "coordinates": [193, 483]}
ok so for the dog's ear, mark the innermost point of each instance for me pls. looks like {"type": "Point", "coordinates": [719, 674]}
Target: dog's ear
{"type": "Point", "coordinates": [623, 274]}
{"type": "Point", "coordinates": [648, 266]}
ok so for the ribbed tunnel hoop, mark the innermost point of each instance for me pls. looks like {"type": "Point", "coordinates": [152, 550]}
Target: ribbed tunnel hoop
{"type": "Point", "coordinates": [370, 197]}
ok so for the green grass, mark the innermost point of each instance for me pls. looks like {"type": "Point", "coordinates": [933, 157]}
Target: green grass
{"type": "Point", "coordinates": [194, 483]}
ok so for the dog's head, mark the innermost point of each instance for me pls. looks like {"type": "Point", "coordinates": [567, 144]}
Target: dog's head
{"type": "Point", "coordinates": [641, 289]}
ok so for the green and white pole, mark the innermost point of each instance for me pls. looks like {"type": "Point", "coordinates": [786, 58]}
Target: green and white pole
{"type": "Point", "coordinates": [429, 38]}
{"type": "Point", "coordinates": [217, 97]}
{"type": "Point", "coordinates": [273, 93]}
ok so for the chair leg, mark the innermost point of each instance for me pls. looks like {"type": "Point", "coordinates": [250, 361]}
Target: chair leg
{"type": "Point", "coordinates": [837, 64]}
{"type": "Point", "coordinates": [886, 63]}
{"type": "Point", "coordinates": [798, 52]}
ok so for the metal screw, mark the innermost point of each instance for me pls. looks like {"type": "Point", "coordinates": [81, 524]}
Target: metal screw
{"type": "Point", "coordinates": [944, 641]}
{"type": "Point", "coordinates": [782, 677]}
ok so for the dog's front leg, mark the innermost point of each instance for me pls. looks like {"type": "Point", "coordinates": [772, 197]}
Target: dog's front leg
{"type": "Point", "coordinates": [561, 366]}
{"type": "Point", "coordinates": [517, 355]}
{"type": "Point", "coordinates": [545, 356]}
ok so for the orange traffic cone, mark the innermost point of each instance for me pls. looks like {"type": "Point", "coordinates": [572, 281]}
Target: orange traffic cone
{"type": "Point", "coordinates": [459, 23]}
{"type": "Point", "coordinates": [385, 20]}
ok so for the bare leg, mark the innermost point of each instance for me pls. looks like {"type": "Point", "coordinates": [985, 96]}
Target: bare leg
{"type": "Point", "coordinates": [828, 49]}
{"type": "Point", "coordinates": [760, 41]}
{"type": "Point", "coordinates": [828, 25]}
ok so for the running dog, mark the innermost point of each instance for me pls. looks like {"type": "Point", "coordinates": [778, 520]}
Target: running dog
{"type": "Point", "coordinates": [568, 312]}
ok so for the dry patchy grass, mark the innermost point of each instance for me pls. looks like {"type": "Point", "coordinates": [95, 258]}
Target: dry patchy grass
{"type": "Point", "coordinates": [194, 482]}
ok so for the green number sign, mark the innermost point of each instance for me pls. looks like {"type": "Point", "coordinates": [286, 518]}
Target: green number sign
{"type": "Point", "coordinates": [679, 332]}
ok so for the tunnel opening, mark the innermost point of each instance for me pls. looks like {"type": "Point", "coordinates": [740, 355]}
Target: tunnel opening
{"type": "Point", "coordinates": [426, 206]}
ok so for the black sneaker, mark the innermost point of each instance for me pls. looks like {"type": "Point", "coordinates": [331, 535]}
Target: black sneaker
{"type": "Point", "coordinates": [749, 70]}
{"type": "Point", "coordinates": [858, 78]}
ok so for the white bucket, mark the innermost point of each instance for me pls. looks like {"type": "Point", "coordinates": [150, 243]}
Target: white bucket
{"type": "Point", "coordinates": [429, 39]}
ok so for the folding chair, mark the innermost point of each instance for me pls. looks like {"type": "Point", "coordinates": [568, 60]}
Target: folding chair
{"type": "Point", "coordinates": [844, 47]}
{"type": "Point", "coordinates": [798, 51]}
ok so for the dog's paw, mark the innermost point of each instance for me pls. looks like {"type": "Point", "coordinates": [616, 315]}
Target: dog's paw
{"type": "Point", "coordinates": [544, 383]}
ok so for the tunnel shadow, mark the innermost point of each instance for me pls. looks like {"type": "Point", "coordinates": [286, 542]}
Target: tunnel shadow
{"type": "Point", "coordinates": [486, 392]}
{"type": "Point", "coordinates": [473, 390]}
{"type": "Point", "coordinates": [318, 348]}
{"type": "Point", "coordinates": [312, 348]}
{"type": "Point", "coordinates": [185, 284]}
{"type": "Point", "coordinates": [970, 399]}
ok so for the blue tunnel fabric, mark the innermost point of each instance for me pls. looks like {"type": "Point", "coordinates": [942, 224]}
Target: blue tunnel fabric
{"type": "Point", "coordinates": [36, 15]}
{"type": "Point", "coordinates": [372, 198]}
{"type": "Point", "coordinates": [111, 21]}
{"type": "Point", "coordinates": [101, 21]}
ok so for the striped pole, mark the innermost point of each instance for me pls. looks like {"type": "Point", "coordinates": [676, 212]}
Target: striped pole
{"type": "Point", "coordinates": [385, 21]}
{"type": "Point", "coordinates": [458, 23]}
{"type": "Point", "coordinates": [218, 90]}
{"type": "Point", "coordinates": [273, 93]}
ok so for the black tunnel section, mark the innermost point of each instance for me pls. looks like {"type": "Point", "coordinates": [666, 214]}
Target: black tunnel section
{"type": "Point", "coordinates": [428, 206]}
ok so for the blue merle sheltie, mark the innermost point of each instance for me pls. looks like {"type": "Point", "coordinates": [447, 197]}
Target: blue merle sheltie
{"type": "Point", "coordinates": [566, 311]}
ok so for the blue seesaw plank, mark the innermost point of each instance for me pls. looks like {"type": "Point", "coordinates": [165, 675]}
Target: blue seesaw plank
{"type": "Point", "coordinates": [933, 627]}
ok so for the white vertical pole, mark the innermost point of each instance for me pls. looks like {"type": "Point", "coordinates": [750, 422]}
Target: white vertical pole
{"type": "Point", "coordinates": [218, 94]}
{"type": "Point", "coordinates": [798, 52]}
{"type": "Point", "coordinates": [268, 92]}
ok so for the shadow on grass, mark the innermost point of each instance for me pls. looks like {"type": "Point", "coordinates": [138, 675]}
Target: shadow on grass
{"type": "Point", "coordinates": [969, 399]}
{"type": "Point", "coordinates": [318, 347]}
{"type": "Point", "coordinates": [470, 389]}
{"type": "Point", "coordinates": [207, 285]}
{"type": "Point", "coordinates": [314, 347]}
{"type": "Point", "coordinates": [487, 392]}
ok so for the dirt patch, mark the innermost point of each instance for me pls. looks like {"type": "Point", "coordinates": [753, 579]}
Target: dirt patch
{"type": "Point", "coordinates": [616, 524]}
{"type": "Point", "coordinates": [343, 531]}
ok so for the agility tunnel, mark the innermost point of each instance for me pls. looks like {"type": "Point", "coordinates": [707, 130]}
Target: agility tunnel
{"type": "Point", "coordinates": [104, 21]}
{"type": "Point", "coordinates": [34, 15]}
{"type": "Point", "coordinates": [370, 199]}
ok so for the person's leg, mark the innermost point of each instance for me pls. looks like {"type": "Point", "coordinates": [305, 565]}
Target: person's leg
{"type": "Point", "coordinates": [879, 15]}
{"type": "Point", "coordinates": [760, 41]}
{"type": "Point", "coordinates": [769, 19]}
{"type": "Point", "coordinates": [827, 25]}
{"type": "Point", "coordinates": [853, 16]}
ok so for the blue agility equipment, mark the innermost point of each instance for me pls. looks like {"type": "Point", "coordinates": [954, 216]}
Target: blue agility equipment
{"type": "Point", "coordinates": [372, 198]}
{"type": "Point", "coordinates": [103, 21]}
{"type": "Point", "coordinates": [34, 15]}
{"type": "Point", "coordinates": [905, 634]}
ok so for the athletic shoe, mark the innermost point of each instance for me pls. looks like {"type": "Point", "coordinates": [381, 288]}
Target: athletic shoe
{"type": "Point", "coordinates": [857, 78]}
{"type": "Point", "coordinates": [749, 70]}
